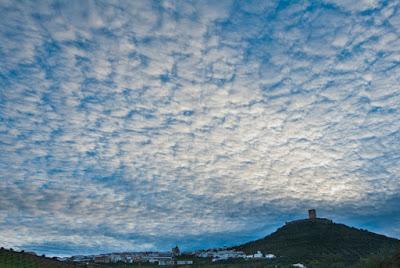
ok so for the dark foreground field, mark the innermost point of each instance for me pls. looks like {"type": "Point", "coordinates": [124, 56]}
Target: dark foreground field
{"type": "Point", "coordinates": [12, 259]}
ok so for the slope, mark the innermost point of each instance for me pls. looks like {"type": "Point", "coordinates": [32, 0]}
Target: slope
{"type": "Point", "coordinates": [321, 243]}
{"type": "Point", "coordinates": [12, 259]}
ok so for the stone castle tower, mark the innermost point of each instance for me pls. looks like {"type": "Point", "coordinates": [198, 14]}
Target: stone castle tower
{"type": "Point", "coordinates": [312, 214]}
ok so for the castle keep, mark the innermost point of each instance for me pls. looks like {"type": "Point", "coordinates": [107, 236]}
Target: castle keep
{"type": "Point", "coordinates": [312, 214]}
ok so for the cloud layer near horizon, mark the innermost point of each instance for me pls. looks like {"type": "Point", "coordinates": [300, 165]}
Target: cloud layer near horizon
{"type": "Point", "coordinates": [140, 124]}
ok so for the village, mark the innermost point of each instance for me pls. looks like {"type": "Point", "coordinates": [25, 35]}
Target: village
{"type": "Point", "coordinates": [173, 257]}
{"type": "Point", "coordinates": [176, 257]}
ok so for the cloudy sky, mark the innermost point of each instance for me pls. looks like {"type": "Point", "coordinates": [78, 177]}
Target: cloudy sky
{"type": "Point", "coordinates": [138, 125]}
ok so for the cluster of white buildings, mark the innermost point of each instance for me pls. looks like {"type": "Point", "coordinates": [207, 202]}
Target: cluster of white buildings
{"type": "Point", "coordinates": [226, 254]}
{"type": "Point", "coordinates": [160, 258]}
{"type": "Point", "coordinates": [170, 258]}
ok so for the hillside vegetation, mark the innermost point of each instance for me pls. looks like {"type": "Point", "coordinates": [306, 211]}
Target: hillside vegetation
{"type": "Point", "coordinates": [12, 259]}
{"type": "Point", "coordinates": [321, 243]}
{"type": "Point", "coordinates": [381, 260]}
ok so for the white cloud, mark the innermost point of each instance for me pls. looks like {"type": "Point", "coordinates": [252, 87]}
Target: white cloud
{"type": "Point", "coordinates": [356, 6]}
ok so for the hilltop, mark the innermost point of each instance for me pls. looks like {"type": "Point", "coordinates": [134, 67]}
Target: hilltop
{"type": "Point", "coordinates": [320, 242]}
{"type": "Point", "coordinates": [13, 259]}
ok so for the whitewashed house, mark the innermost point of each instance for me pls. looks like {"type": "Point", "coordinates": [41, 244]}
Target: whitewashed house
{"type": "Point", "coordinates": [299, 265]}
{"type": "Point", "coordinates": [183, 262]}
{"type": "Point", "coordinates": [258, 255]}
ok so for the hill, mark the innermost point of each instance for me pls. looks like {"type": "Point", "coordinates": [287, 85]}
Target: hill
{"type": "Point", "coordinates": [13, 259]}
{"type": "Point", "coordinates": [321, 243]}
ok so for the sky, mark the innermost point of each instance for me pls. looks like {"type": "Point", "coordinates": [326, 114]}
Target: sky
{"type": "Point", "coordinates": [139, 125]}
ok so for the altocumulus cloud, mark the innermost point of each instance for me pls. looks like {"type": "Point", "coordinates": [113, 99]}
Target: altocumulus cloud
{"type": "Point", "coordinates": [135, 125]}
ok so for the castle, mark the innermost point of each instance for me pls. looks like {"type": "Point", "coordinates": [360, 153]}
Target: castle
{"type": "Point", "coordinates": [312, 216]}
